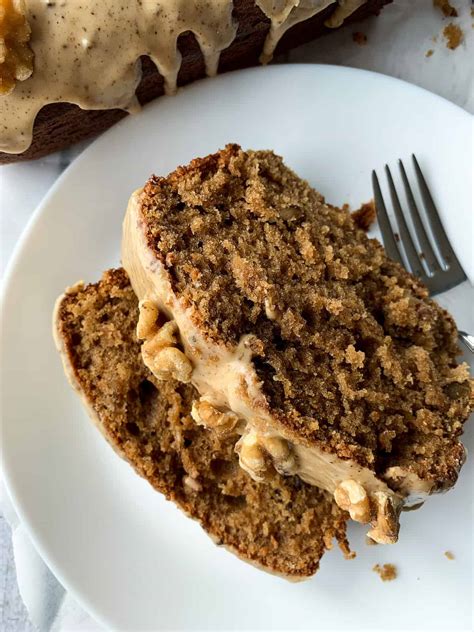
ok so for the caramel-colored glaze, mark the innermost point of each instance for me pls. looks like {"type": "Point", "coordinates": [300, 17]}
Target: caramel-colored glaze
{"type": "Point", "coordinates": [88, 52]}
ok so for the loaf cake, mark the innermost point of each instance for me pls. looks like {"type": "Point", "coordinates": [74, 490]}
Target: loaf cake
{"type": "Point", "coordinates": [327, 358]}
{"type": "Point", "coordinates": [73, 69]}
{"type": "Point", "coordinates": [282, 525]}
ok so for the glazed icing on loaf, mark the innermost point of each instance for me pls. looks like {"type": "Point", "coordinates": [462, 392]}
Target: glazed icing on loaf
{"type": "Point", "coordinates": [344, 10]}
{"type": "Point", "coordinates": [283, 15]}
{"type": "Point", "coordinates": [88, 52]}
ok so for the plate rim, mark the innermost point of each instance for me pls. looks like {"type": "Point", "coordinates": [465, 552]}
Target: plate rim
{"type": "Point", "coordinates": [21, 248]}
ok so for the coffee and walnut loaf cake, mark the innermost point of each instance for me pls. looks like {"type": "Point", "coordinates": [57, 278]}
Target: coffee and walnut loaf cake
{"type": "Point", "coordinates": [329, 359]}
{"type": "Point", "coordinates": [281, 525]}
{"type": "Point", "coordinates": [69, 70]}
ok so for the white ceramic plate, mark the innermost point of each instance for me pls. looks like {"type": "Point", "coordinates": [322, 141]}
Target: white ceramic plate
{"type": "Point", "coordinates": [131, 558]}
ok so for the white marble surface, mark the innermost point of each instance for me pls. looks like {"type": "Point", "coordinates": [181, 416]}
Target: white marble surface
{"type": "Point", "coordinates": [397, 45]}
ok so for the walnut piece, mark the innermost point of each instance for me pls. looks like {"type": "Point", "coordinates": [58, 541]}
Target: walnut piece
{"type": "Point", "coordinates": [386, 525]}
{"type": "Point", "coordinates": [191, 484]}
{"type": "Point", "coordinates": [164, 337]}
{"type": "Point", "coordinates": [352, 497]}
{"type": "Point", "coordinates": [148, 315]}
{"type": "Point", "coordinates": [159, 352]}
{"type": "Point", "coordinates": [205, 414]}
{"type": "Point", "coordinates": [167, 363]}
{"type": "Point", "coordinates": [257, 453]}
{"type": "Point", "coordinates": [284, 461]}
{"type": "Point", "coordinates": [16, 56]}
{"type": "Point", "coordinates": [380, 509]}
{"type": "Point", "coordinates": [251, 456]}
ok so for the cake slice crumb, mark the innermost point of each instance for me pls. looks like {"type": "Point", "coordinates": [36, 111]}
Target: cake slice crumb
{"type": "Point", "coordinates": [453, 35]}
{"type": "Point", "coordinates": [446, 7]}
{"type": "Point", "coordinates": [386, 572]}
{"type": "Point", "coordinates": [359, 38]}
{"type": "Point", "coordinates": [449, 555]}
{"type": "Point", "coordinates": [429, 52]}
{"type": "Point", "coordinates": [365, 216]}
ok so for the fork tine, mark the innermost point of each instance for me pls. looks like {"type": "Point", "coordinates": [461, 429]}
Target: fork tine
{"type": "Point", "coordinates": [388, 237]}
{"type": "Point", "coordinates": [427, 252]}
{"type": "Point", "coordinates": [435, 223]}
{"type": "Point", "coordinates": [416, 265]}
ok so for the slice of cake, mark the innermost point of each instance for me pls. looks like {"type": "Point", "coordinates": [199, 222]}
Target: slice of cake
{"type": "Point", "coordinates": [282, 525]}
{"type": "Point", "coordinates": [327, 358]}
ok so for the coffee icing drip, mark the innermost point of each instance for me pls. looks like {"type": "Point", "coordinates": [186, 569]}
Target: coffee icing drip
{"type": "Point", "coordinates": [88, 52]}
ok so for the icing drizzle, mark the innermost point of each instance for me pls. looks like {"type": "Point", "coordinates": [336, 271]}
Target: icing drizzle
{"type": "Point", "coordinates": [88, 52]}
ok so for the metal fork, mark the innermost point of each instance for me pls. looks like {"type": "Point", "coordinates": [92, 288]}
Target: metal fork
{"type": "Point", "coordinates": [438, 273]}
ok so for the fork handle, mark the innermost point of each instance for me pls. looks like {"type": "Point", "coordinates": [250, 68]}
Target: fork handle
{"type": "Point", "coordinates": [467, 340]}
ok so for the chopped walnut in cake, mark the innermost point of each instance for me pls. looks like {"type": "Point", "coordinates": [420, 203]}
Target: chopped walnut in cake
{"type": "Point", "coordinates": [159, 350]}
{"type": "Point", "coordinates": [282, 525]}
{"type": "Point", "coordinates": [16, 56]}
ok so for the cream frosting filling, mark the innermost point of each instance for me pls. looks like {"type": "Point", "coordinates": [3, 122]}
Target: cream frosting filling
{"type": "Point", "coordinates": [88, 53]}
{"type": "Point", "coordinates": [226, 379]}
{"type": "Point", "coordinates": [94, 417]}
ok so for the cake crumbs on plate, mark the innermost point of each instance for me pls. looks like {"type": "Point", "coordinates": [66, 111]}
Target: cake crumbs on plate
{"type": "Point", "coordinates": [453, 34]}
{"type": "Point", "coordinates": [386, 572]}
{"type": "Point", "coordinates": [359, 38]}
{"type": "Point", "coordinates": [449, 555]}
{"type": "Point", "coordinates": [448, 10]}
{"type": "Point", "coordinates": [429, 52]}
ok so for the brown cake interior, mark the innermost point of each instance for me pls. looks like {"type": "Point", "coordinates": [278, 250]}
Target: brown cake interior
{"type": "Point", "coordinates": [283, 525]}
{"type": "Point", "coordinates": [352, 353]}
